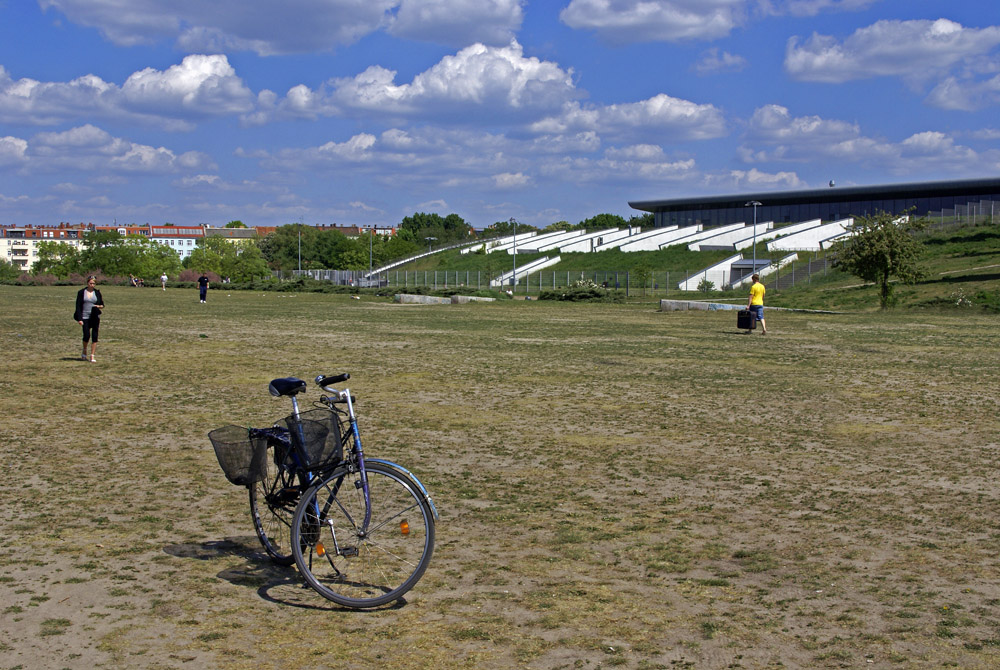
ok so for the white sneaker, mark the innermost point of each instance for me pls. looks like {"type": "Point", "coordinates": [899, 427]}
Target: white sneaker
{"type": "Point", "coordinates": [93, 359]}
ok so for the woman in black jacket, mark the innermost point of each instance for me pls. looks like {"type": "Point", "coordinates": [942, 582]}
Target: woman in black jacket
{"type": "Point", "coordinates": [89, 304]}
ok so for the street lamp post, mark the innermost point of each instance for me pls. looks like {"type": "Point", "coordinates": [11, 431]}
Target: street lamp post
{"type": "Point", "coordinates": [755, 205]}
{"type": "Point", "coordinates": [513, 222]}
{"type": "Point", "coordinates": [429, 240]}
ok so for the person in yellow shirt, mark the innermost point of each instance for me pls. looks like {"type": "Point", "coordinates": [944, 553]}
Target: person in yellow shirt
{"type": "Point", "coordinates": [755, 303]}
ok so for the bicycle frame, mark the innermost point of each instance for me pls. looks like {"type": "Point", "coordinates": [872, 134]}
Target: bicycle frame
{"type": "Point", "coordinates": [357, 450]}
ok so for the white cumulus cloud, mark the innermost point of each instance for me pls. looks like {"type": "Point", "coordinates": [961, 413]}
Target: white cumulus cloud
{"type": "Point", "coordinates": [669, 117]}
{"type": "Point", "coordinates": [91, 149]}
{"type": "Point", "coordinates": [713, 61]}
{"type": "Point", "coordinates": [458, 22]}
{"type": "Point", "coordinates": [263, 26]}
{"type": "Point", "coordinates": [627, 21]}
{"type": "Point", "coordinates": [965, 94]}
{"type": "Point", "coordinates": [294, 26]}
{"type": "Point", "coordinates": [198, 87]}
{"type": "Point", "coordinates": [913, 50]}
{"type": "Point", "coordinates": [478, 76]}
{"type": "Point", "coordinates": [812, 7]}
{"type": "Point", "coordinates": [12, 151]}
{"type": "Point", "coordinates": [774, 135]}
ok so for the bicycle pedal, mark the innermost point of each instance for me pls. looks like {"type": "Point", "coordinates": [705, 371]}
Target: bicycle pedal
{"type": "Point", "coordinates": [349, 552]}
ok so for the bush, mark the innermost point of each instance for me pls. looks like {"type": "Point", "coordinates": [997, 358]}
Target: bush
{"type": "Point", "coordinates": [194, 275]}
{"type": "Point", "coordinates": [583, 294]}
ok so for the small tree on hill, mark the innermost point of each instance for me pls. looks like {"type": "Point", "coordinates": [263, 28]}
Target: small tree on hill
{"type": "Point", "coordinates": [879, 248]}
{"type": "Point", "coordinates": [642, 273]}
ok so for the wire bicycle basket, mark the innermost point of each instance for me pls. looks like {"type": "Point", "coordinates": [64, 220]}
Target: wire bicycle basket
{"type": "Point", "coordinates": [241, 457]}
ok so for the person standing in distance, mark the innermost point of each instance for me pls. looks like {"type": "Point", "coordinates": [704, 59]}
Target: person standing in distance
{"type": "Point", "coordinates": [163, 281]}
{"type": "Point", "coordinates": [89, 304]}
{"type": "Point", "coordinates": [203, 286]}
{"type": "Point", "coordinates": [755, 303]}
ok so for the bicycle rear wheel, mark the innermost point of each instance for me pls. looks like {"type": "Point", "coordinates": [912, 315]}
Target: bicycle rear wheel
{"type": "Point", "coordinates": [357, 568]}
{"type": "Point", "coordinates": [272, 507]}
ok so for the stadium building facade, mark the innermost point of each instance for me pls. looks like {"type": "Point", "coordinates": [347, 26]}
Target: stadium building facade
{"type": "Point", "coordinates": [937, 198]}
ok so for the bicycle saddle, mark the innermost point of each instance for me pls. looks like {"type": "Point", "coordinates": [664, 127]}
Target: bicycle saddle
{"type": "Point", "coordinates": [286, 386]}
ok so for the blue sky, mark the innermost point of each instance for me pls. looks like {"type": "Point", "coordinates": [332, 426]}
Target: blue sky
{"type": "Point", "coordinates": [366, 111]}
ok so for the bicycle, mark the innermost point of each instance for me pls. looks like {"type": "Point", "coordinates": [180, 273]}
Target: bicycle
{"type": "Point", "coordinates": [360, 530]}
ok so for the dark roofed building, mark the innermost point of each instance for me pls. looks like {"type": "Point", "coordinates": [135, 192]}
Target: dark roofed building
{"type": "Point", "coordinates": [940, 198]}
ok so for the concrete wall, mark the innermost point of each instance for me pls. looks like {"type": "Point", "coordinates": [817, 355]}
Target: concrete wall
{"type": "Point", "coordinates": [701, 235]}
{"type": "Point", "coordinates": [769, 269]}
{"type": "Point", "coordinates": [809, 239]}
{"type": "Point", "coordinates": [729, 238]}
{"type": "Point", "coordinates": [501, 244]}
{"type": "Point", "coordinates": [649, 240]}
{"type": "Point", "coordinates": [719, 274]}
{"type": "Point", "coordinates": [778, 232]}
{"type": "Point", "coordinates": [610, 239]}
{"type": "Point", "coordinates": [587, 243]}
{"type": "Point", "coordinates": [533, 266]}
{"type": "Point", "coordinates": [547, 241]}
{"type": "Point", "coordinates": [410, 299]}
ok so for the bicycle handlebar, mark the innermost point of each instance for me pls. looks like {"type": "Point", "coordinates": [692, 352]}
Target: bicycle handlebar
{"type": "Point", "coordinates": [326, 380]}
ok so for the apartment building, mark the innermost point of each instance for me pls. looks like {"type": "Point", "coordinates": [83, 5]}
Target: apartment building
{"type": "Point", "coordinates": [19, 244]}
{"type": "Point", "coordinates": [182, 239]}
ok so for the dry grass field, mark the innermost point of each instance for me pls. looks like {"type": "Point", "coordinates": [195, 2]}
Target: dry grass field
{"type": "Point", "coordinates": [618, 487]}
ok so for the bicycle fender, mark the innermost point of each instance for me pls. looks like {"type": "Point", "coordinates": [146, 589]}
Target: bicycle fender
{"type": "Point", "coordinates": [401, 469]}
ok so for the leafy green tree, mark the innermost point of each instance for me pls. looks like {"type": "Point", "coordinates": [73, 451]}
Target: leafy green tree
{"type": "Point", "coordinates": [602, 221]}
{"type": "Point", "coordinates": [147, 258]}
{"type": "Point", "coordinates": [103, 249]}
{"type": "Point", "coordinates": [646, 220]}
{"type": "Point", "coordinates": [396, 247]}
{"type": "Point", "coordinates": [879, 248]}
{"type": "Point", "coordinates": [239, 262]}
{"type": "Point", "coordinates": [8, 272]}
{"type": "Point", "coordinates": [236, 224]}
{"type": "Point", "coordinates": [641, 274]}
{"type": "Point", "coordinates": [57, 258]}
{"type": "Point", "coordinates": [446, 230]}
{"type": "Point", "coordinates": [281, 248]}
{"type": "Point", "coordinates": [331, 245]}
{"type": "Point", "coordinates": [557, 226]}
{"type": "Point", "coordinates": [354, 258]}
{"type": "Point", "coordinates": [206, 257]}
{"type": "Point", "coordinates": [509, 227]}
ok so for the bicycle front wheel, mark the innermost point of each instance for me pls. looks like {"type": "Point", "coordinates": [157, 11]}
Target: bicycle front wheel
{"type": "Point", "coordinates": [272, 507]}
{"type": "Point", "coordinates": [361, 567]}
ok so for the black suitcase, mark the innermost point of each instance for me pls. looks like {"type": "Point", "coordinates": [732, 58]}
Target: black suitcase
{"type": "Point", "coordinates": [746, 319]}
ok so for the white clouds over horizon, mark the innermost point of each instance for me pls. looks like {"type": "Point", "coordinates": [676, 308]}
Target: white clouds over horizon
{"type": "Point", "coordinates": [267, 28]}
{"type": "Point", "coordinates": [229, 25]}
{"type": "Point", "coordinates": [624, 21]}
{"type": "Point", "coordinates": [198, 87]}
{"type": "Point", "coordinates": [916, 51]}
{"type": "Point", "coordinates": [89, 149]}
{"type": "Point", "coordinates": [774, 135]}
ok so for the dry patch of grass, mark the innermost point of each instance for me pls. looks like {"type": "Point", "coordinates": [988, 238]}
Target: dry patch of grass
{"type": "Point", "coordinates": [618, 487]}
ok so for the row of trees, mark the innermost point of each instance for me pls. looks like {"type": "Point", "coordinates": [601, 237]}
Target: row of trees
{"type": "Point", "coordinates": [115, 255]}
{"type": "Point", "coordinates": [289, 248]}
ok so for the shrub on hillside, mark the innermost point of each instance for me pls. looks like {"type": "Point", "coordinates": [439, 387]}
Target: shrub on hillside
{"type": "Point", "coordinates": [592, 293]}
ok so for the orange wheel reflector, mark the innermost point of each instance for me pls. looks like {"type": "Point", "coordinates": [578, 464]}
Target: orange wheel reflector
{"type": "Point", "coordinates": [404, 527]}
{"type": "Point", "coordinates": [320, 549]}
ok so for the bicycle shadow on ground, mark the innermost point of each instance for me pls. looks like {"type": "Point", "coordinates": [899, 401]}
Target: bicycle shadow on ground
{"type": "Point", "coordinates": [279, 584]}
